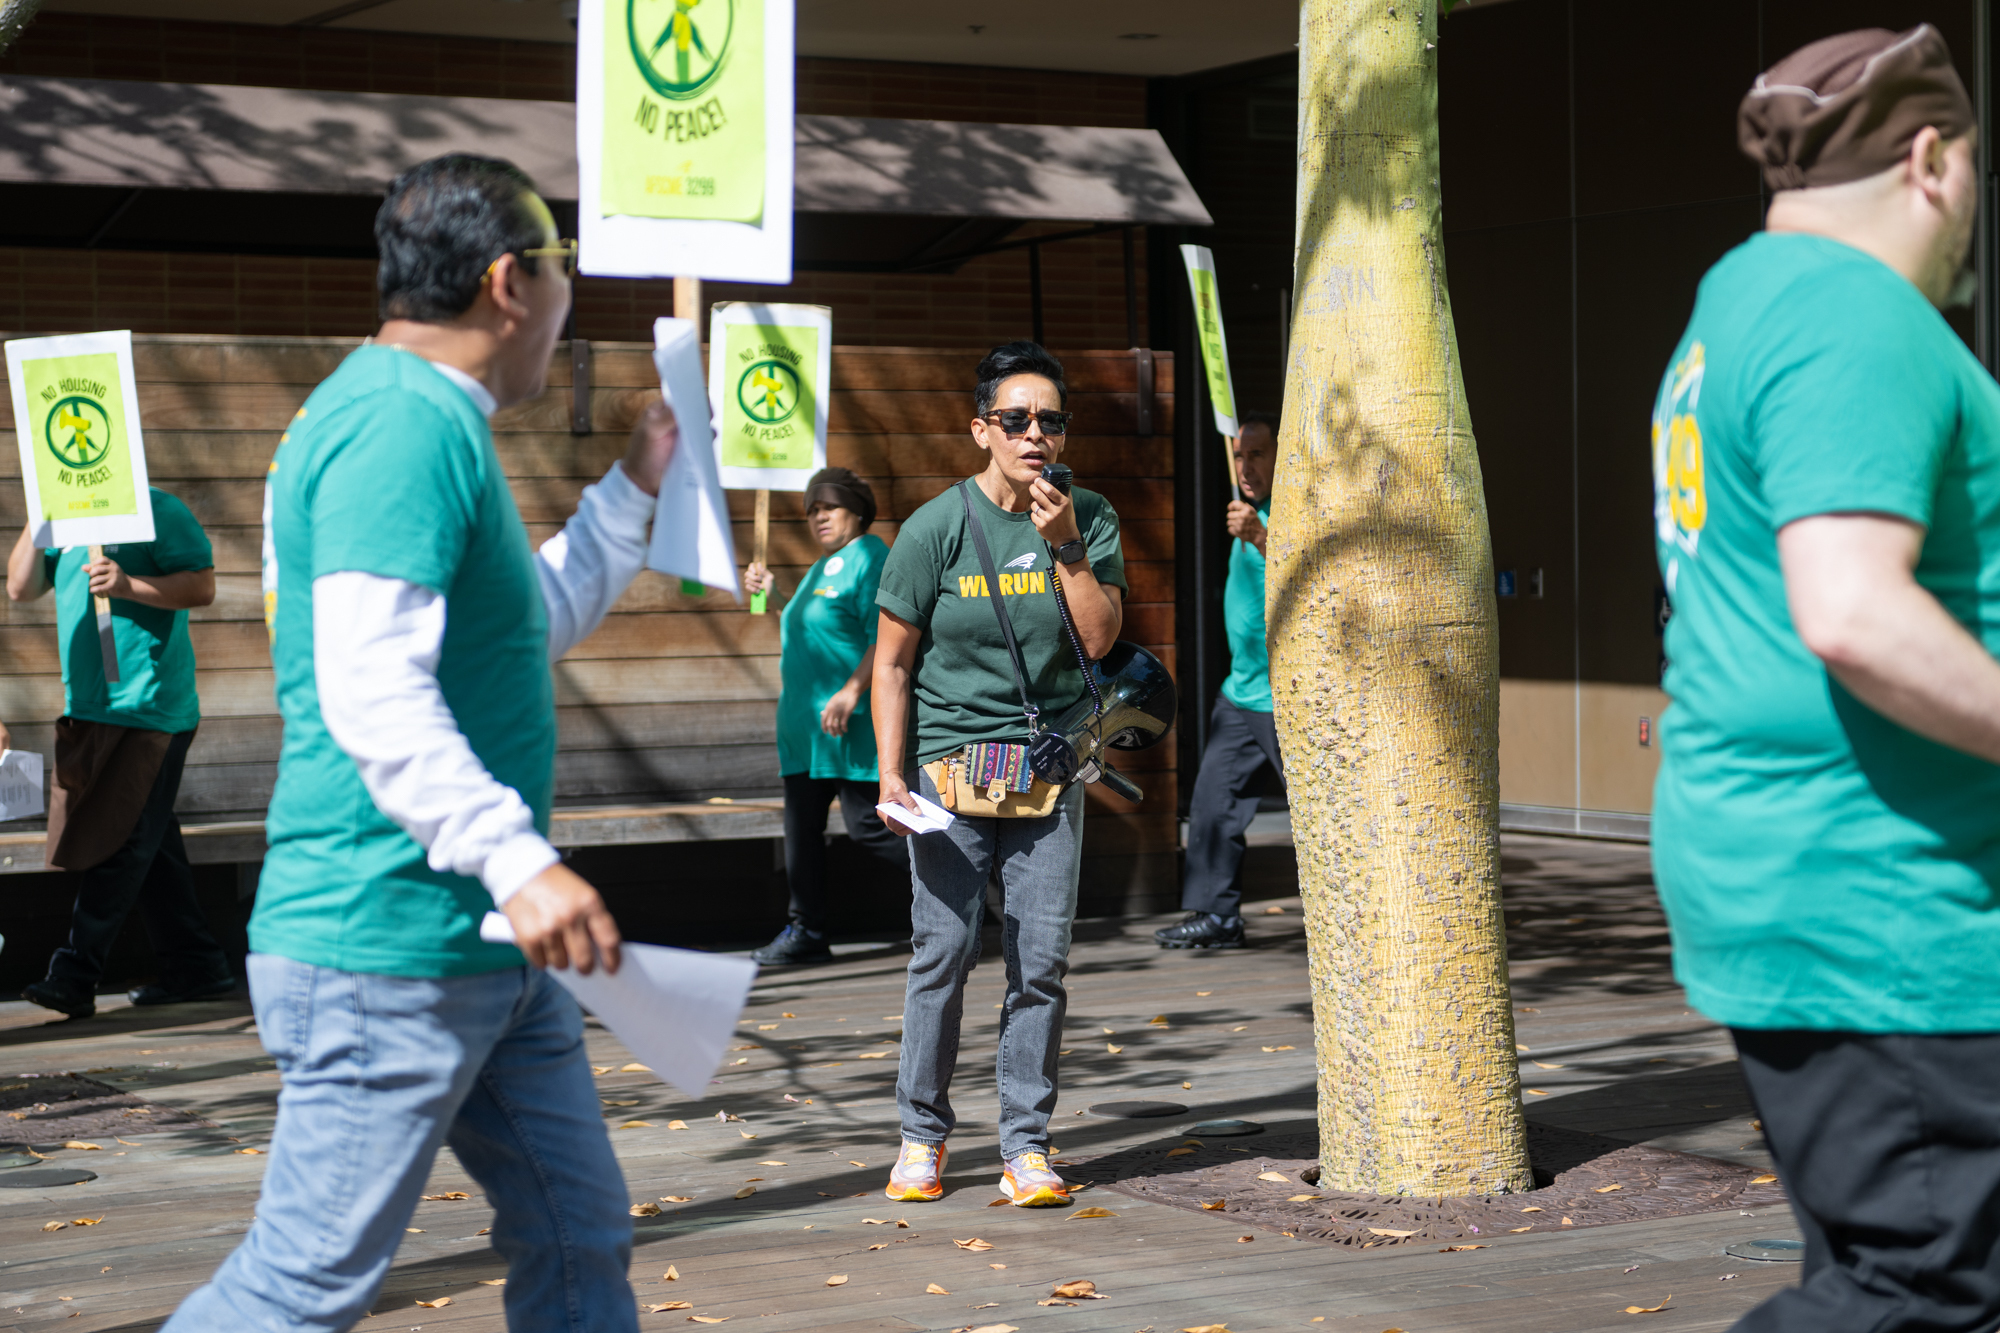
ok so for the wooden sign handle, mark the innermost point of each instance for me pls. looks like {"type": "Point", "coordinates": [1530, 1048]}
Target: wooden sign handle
{"type": "Point", "coordinates": [760, 545]}
{"type": "Point", "coordinates": [1229, 452]}
{"type": "Point", "coordinates": [107, 642]}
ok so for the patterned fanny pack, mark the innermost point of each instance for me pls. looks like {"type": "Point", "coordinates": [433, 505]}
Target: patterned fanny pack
{"type": "Point", "coordinates": [997, 768]}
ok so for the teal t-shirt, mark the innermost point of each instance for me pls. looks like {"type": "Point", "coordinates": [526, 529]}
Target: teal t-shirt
{"type": "Point", "coordinates": [964, 686]}
{"type": "Point", "coordinates": [829, 623]}
{"type": "Point", "coordinates": [389, 469]}
{"type": "Point", "coordinates": [1821, 866]}
{"type": "Point", "coordinates": [1248, 684]}
{"type": "Point", "coordinates": [155, 689]}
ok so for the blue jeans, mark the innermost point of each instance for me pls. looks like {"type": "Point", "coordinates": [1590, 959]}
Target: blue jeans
{"type": "Point", "coordinates": [1037, 861]}
{"type": "Point", "coordinates": [378, 1072]}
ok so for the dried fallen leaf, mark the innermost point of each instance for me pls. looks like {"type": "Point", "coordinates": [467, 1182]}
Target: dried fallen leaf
{"type": "Point", "coordinates": [1244, 1240]}
{"type": "Point", "coordinates": [677, 1124]}
{"type": "Point", "coordinates": [837, 1280]}
{"type": "Point", "coordinates": [1115, 1050]}
{"type": "Point", "coordinates": [644, 1210]}
{"type": "Point", "coordinates": [1186, 1086]}
{"type": "Point", "coordinates": [788, 1015]}
{"type": "Point", "coordinates": [1180, 1152]}
{"type": "Point", "coordinates": [637, 1124]}
{"type": "Point", "coordinates": [740, 1060]}
{"type": "Point", "coordinates": [1211, 1328]}
{"type": "Point", "coordinates": [1215, 1205]}
{"type": "Point", "coordinates": [1158, 1020]}
{"type": "Point", "coordinates": [1766, 1179]}
{"type": "Point", "coordinates": [935, 1290]}
{"type": "Point", "coordinates": [993, 1328]}
{"type": "Point", "coordinates": [1511, 1230]}
{"type": "Point", "coordinates": [1390, 1231]}
{"type": "Point", "coordinates": [54, 1226]}
{"type": "Point", "coordinates": [81, 1146]}
{"type": "Point", "coordinates": [1606, 1189]}
{"type": "Point", "coordinates": [1647, 1309]}
{"type": "Point", "coordinates": [746, 1133]}
{"type": "Point", "coordinates": [1053, 1301]}
{"type": "Point", "coordinates": [975, 1244]}
{"type": "Point", "coordinates": [493, 1282]}
{"type": "Point", "coordinates": [250, 1152]}
{"type": "Point", "coordinates": [669, 1305]}
{"type": "Point", "coordinates": [991, 1266]}
{"type": "Point", "coordinates": [600, 1070]}
{"type": "Point", "coordinates": [1536, 1092]}
{"type": "Point", "coordinates": [746, 1191]}
{"type": "Point", "coordinates": [1453, 1249]}
{"type": "Point", "coordinates": [1273, 1175]}
{"type": "Point", "coordinates": [1542, 1065]}
{"type": "Point", "coordinates": [1303, 1198]}
{"type": "Point", "coordinates": [85, 1221]}
{"type": "Point", "coordinates": [768, 1163]}
{"type": "Point", "coordinates": [874, 1221]}
{"type": "Point", "coordinates": [677, 1198]}
{"type": "Point", "coordinates": [883, 1246]}
{"type": "Point", "coordinates": [852, 1162]}
{"type": "Point", "coordinates": [439, 1198]}
{"type": "Point", "coordinates": [629, 1101]}
{"type": "Point", "coordinates": [1088, 1212]}
{"type": "Point", "coordinates": [635, 1068]}
{"type": "Point", "coordinates": [1281, 1048]}
{"type": "Point", "coordinates": [1566, 1222]}
{"type": "Point", "coordinates": [437, 1304]}
{"type": "Point", "coordinates": [708, 1319]}
{"type": "Point", "coordinates": [1081, 1289]}
{"type": "Point", "coordinates": [1001, 1203]}
{"type": "Point", "coordinates": [1533, 1208]}
{"type": "Point", "coordinates": [414, 1231]}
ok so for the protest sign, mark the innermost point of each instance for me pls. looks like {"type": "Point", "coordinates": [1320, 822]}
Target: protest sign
{"type": "Point", "coordinates": [769, 369]}
{"type": "Point", "coordinates": [83, 455]}
{"type": "Point", "coordinates": [685, 138]}
{"type": "Point", "coordinates": [691, 537]}
{"type": "Point", "coordinates": [20, 785]}
{"type": "Point", "coordinates": [1208, 332]}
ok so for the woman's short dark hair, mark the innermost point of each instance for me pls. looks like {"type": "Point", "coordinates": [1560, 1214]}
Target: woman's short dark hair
{"type": "Point", "coordinates": [840, 488]}
{"type": "Point", "coordinates": [1015, 358]}
{"type": "Point", "coordinates": [441, 227]}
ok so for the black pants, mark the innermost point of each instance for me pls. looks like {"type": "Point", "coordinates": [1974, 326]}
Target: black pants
{"type": "Point", "coordinates": [1889, 1146]}
{"type": "Point", "coordinates": [1242, 748]}
{"type": "Point", "coordinates": [151, 869]}
{"type": "Point", "coordinates": [806, 802]}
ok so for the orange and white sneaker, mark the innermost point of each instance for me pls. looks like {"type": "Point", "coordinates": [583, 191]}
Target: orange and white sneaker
{"type": "Point", "coordinates": [1030, 1183]}
{"type": "Point", "coordinates": [919, 1176]}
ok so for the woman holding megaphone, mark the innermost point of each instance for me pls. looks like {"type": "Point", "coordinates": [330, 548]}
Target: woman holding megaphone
{"type": "Point", "coordinates": [974, 646]}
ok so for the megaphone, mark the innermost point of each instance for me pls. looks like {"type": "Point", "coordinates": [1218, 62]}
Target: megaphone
{"type": "Point", "coordinates": [1131, 708]}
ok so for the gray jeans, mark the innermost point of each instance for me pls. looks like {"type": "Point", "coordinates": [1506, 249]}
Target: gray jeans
{"type": "Point", "coordinates": [1037, 861]}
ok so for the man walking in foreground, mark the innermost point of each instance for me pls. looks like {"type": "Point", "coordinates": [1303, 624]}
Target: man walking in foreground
{"type": "Point", "coordinates": [1826, 830]}
{"type": "Point", "coordinates": [1242, 738]}
{"type": "Point", "coordinates": [412, 632]}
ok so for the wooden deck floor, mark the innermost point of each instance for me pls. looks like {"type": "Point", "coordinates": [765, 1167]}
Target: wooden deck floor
{"type": "Point", "coordinates": [1591, 980]}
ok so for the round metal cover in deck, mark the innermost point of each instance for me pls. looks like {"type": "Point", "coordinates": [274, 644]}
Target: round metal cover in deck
{"type": "Point", "coordinates": [1223, 1129]}
{"type": "Point", "coordinates": [1136, 1110]}
{"type": "Point", "coordinates": [42, 1177]}
{"type": "Point", "coordinates": [1770, 1251]}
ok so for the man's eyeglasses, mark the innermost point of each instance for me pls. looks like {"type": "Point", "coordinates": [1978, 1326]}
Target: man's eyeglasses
{"type": "Point", "coordinates": [1015, 421]}
{"type": "Point", "coordinates": [563, 250]}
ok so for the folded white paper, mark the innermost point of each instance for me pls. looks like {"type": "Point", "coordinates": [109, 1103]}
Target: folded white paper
{"type": "Point", "coordinates": [929, 818]}
{"type": "Point", "coordinates": [20, 785]}
{"type": "Point", "coordinates": [691, 534]}
{"type": "Point", "coordinates": [675, 1009]}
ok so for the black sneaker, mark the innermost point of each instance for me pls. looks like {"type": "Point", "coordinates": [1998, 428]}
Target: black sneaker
{"type": "Point", "coordinates": [795, 944]}
{"type": "Point", "coordinates": [62, 999]}
{"type": "Point", "coordinates": [1202, 930]}
{"type": "Point", "coordinates": [157, 993]}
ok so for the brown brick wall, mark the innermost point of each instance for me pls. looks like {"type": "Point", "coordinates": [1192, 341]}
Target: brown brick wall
{"type": "Point", "coordinates": [53, 291]}
{"type": "Point", "coordinates": [349, 60]}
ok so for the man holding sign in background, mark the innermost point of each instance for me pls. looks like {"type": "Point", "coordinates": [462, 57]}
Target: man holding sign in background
{"type": "Point", "coordinates": [120, 747]}
{"type": "Point", "coordinates": [412, 634]}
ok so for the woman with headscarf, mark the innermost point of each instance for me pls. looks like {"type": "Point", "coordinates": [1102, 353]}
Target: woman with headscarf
{"type": "Point", "coordinates": [826, 738]}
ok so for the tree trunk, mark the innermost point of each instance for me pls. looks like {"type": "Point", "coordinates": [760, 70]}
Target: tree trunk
{"type": "Point", "coordinates": [14, 16]}
{"type": "Point", "coordinates": [1380, 605]}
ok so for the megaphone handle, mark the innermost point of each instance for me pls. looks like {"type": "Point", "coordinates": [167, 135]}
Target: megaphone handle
{"type": "Point", "coordinates": [1119, 783]}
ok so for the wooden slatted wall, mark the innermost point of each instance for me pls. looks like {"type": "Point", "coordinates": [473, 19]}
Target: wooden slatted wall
{"type": "Point", "coordinates": [672, 698]}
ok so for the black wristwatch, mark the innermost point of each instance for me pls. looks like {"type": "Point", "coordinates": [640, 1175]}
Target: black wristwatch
{"type": "Point", "coordinates": [1071, 551]}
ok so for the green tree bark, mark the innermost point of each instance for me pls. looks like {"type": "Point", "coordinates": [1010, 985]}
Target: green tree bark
{"type": "Point", "coordinates": [1382, 636]}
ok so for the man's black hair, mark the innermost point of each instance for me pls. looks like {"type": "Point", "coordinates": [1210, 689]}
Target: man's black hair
{"type": "Point", "coordinates": [1015, 358]}
{"type": "Point", "coordinates": [1255, 416]}
{"type": "Point", "coordinates": [442, 225]}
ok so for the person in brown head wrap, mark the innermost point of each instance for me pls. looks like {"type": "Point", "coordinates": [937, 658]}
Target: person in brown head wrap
{"type": "Point", "coordinates": [1826, 827]}
{"type": "Point", "coordinates": [826, 735]}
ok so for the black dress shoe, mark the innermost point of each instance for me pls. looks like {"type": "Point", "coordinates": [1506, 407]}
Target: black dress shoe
{"type": "Point", "coordinates": [1202, 930]}
{"type": "Point", "coordinates": [794, 945]}
{"type": "Point", "coordinates": [62, 999]}
{"type": "Point", "coordinates": [207, 990]}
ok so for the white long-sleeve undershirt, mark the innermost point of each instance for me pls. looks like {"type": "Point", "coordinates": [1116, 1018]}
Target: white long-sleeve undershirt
{"type": "Point", "coordinates": [376, 643]}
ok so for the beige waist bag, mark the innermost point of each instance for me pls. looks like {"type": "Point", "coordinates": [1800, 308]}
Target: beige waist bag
{"type": "Point", "coordinates": [994, 801]}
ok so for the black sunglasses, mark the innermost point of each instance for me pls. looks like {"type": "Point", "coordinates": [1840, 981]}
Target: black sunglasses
{"type": "Point", "coordinates": [1015, 421]}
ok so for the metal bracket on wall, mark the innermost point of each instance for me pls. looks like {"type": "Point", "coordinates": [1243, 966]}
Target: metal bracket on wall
{"type": "Point", "coordinates": [1142, 363]}
{"type": "Point", "coordinates": [579, 392]}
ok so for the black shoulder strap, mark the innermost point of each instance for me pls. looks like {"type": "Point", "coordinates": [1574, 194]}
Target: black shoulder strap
{"type": "Point", "coordinates": [973, 525]}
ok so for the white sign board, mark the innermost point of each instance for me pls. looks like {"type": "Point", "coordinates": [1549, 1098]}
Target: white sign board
{"type": "Point", "coordinates": [20, 785]}
{"type": "Point", "coordinates": [684, 138]}
{"type": "Point", "coordinates": [770, 375]}
{"type": "Point", "coordinates": [83, 454]}
{"type": "Point", "coordinates": [691, 535]}
{"type": "Point", "coordinates": [1208, 332]}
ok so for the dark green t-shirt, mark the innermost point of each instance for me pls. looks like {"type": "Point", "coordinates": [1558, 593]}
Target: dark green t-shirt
{"type": "Point", "coordinates": [155, 689]}
{"type": "Point", "coordinates": [965, 687]}
{"type": "Point", "coordinates": [1821, 866]}
{"type": "Point", "coordinates": [827, 626]}
{"type": "Point", "coordinates": [390, 470]}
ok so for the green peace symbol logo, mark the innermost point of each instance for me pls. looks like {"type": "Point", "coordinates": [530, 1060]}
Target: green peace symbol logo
{"type": "Point", "coordinates": [768, 392]}
{"type": "Point", "coordinates": [77, 431]}
{"type": "Point", "coordinates": [684, 56]}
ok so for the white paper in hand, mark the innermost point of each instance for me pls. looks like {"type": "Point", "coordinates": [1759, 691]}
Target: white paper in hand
{"type": "Point", "coordinates": [930, 817]}
{"type": "Point", "coordinates": [20, 785]}
{"type": "Point", "coordinates": [676, 1009]}
{"type": "Point", "coordinates": [691, 535]}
